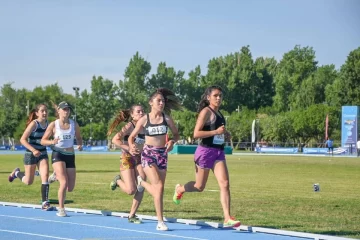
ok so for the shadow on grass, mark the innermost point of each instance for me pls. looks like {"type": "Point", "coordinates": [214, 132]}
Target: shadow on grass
{"type": "Point", "coordinates": [180, 211]}
{"type": "Point", "coordinates": [55, 201]}
{"type": "Point", "coordinates": [210, 218]}
{"type": "Point", "coordinates": [97, 171]}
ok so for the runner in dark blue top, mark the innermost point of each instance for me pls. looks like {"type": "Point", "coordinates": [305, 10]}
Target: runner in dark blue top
{"type": "Point", "coordinates": [36, 154]}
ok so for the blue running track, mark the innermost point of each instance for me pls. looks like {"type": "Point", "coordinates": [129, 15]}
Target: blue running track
{"type": "Point", "coordinates": [29, 222]}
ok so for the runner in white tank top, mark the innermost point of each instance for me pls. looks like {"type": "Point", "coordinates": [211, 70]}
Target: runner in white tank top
{"type": "Point", "coordinates": [64, 131]}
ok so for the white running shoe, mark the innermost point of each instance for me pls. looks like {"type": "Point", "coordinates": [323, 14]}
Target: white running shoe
{"type": "Point", "coordinates": [61, 212]}
{"type": "Point", "coordinates": [161, 226]}
{"type": "Point", "coordinates": [139, 187]}
{"type": "Point", "coordinates": [52, 178]}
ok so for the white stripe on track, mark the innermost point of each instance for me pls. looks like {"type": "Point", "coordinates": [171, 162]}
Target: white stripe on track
{"type": "Point", "coordinates": [34, 234]}
{"type": "Point", "coordinates": [106, 227]}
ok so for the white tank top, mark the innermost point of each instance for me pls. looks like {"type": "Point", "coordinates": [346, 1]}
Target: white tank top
{"type": "Point", "coordinates": [66, 137]}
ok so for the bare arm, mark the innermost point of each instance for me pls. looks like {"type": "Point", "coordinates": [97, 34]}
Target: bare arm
{"type": "Point", "coordinates": [118, 138]}
{"type": "Point", "coordinates": [204, 116]}
{"type": "Point", "coordinates": [25, 136]}
{"type": "Point", "coordinates": [48, 133]}
{"type": "Point", "coordinates": [139, 127]}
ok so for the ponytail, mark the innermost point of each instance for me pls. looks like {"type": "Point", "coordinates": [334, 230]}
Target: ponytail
{"type": "Point", "coordinates": [123, 115]}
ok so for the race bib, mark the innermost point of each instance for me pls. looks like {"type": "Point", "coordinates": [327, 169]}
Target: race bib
{"type": "Point", "coordinates": [66, 137]}
{"type": "Point", "coordinates": [139, 140]}
{"type": "Point", "coordinates": [158, 130]}
{"type": "Point", "coordinates": [218, 139]}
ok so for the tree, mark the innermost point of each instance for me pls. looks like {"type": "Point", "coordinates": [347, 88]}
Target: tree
{"type": "Point", "coordinates": [263, 82]}
{"type": "Point", "coordinates": [103, 100]}
{"type": "Point", "coordinates": [295, 66]}
{"type": "Point", "coordinates": [239, 125]}
{"type": "Point", "coordinates": [345, 90]}
{"type": "Point", "coordinates": [132, 90]}
{"type": "Point", "coordinates": [12, 109]}
{"type": "Point", "coordinates": [190, 90]}
{"type": "Point", "coordinates": [165, 77]}
{"type": "Point", "coordinates": [185, 121]}
{"type": "Point", "coordinates": [312, 89]}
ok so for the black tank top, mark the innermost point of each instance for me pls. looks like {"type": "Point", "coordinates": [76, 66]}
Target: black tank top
{"type": "Point", "coordinates": [140, 138]}
{"type": "Point", "coordinates": [156, 129]}
{"type": "Point", "coordinates": [216, 141]}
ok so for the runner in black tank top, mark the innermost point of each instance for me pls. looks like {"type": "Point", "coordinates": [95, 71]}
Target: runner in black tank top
{"type": "Point", "coordinates": [210, 155]}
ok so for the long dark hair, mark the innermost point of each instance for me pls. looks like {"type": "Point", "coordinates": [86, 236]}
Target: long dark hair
{"type": "Point", "coordinates": [204, 102]}
{"type": "Point", "coordinates": [171, 101]}
{"type": "Point", "coordinates": [32, 115]}
{"type": "Point", "coordinates": [122, 116]}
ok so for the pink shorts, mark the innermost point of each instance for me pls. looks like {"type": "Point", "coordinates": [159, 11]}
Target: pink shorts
{"type": "Point", "coordinates": [154, 155]}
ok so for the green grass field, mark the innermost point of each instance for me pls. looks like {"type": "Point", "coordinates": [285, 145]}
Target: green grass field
{"type": "Point", "coordinates": [267, 191]}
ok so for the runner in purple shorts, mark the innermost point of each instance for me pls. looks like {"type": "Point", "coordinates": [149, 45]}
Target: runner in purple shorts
{"type": "Point", "coordinates": [154, 154]}
{"type": "Point", "coordinates": [130, 166]}
{"type": "Point", "coordinates": [209, 155]}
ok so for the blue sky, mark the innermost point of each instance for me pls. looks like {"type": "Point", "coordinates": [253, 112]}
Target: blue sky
{"type": "Point", "coordinates": [69, 41]}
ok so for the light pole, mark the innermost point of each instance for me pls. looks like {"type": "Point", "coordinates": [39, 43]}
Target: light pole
{"type": "Point", "coordinates": [238, 109]}
{"type": "Point", "coordinates": [76, 89]}
{"type": "Point", "coordinates": [27, 108]}
{"type": "Point", "coordinates": [90, 128]}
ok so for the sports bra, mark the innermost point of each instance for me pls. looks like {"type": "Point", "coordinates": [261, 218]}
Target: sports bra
{"type": "Point", "coordinates": [156, 129]}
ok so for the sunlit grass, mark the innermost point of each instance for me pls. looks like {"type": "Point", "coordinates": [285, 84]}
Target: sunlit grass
{"type": "Point", "coordinates": [267, 191]}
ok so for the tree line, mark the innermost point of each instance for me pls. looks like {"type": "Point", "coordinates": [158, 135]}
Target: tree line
{"type": "Point", "coordinates": [290, 97]}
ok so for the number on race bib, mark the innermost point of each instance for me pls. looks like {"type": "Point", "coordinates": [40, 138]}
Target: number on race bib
{"type": "Point", "coordinates": [158, 130]}
{"type": "Point", "coordinates": [139, 140]}
{"type": "Point", "coordinates": [218, 139]}
{"type": "Point", "coordinates": [67, 136]}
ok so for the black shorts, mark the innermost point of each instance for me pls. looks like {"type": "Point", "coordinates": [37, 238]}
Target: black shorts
{"type": "Point", "coordinates": [30, 159]}
{"type": "Point", "coordinates": [69, 159]}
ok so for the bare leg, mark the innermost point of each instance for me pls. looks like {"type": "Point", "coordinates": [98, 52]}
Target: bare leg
{"type": "Point", "coordinates": [138, 195]}
{"type": "Point", "coordinates": [155, 187]}
{"type": "Point", "coordinates": [61, 175]}
{"type": "Point", "coordinates": [222, 176]}
{"type": "Point", "coordinates": [201, 177]}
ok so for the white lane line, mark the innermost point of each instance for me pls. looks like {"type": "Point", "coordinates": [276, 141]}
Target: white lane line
{"type": "Point", "coordinates": [34, 234]}
{"type": "Point", "coordinates": [106, 227]}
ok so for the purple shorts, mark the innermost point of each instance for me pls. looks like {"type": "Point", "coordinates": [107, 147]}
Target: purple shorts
{"type": "Point", "coordinates": [154, 155]}
{"type": "Point", "coordinates": [205, 157]}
